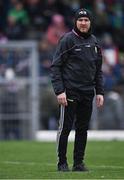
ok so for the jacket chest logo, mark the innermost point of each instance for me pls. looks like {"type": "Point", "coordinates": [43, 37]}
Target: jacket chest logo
{"type": "Point", "coordinates": [78, 49]}
{"type": "Point", "coordinates": [87, 45]}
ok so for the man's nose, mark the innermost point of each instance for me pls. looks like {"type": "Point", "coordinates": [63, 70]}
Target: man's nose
{"type": "Point", "coordinates": [83, 22]}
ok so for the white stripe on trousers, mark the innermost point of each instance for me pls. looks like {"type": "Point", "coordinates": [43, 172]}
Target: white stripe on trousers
{"type": "Point", "coordinates": [61, 122]}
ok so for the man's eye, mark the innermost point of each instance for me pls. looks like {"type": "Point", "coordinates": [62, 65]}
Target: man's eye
{"type": "Point", "coordinates": [80, 20]}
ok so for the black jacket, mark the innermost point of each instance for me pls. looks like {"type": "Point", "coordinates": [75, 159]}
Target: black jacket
{"type": "Point", "coordinates": [77, 64]}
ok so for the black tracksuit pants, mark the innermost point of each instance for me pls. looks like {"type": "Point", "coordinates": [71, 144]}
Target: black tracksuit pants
{"type": "Point", "coordinates": [79, 110]}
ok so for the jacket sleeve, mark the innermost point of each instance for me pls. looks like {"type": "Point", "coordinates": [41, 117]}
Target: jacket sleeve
{"type": "Point", "coordinates": [59, 58]}
{"type": "Point", "coordinates": [99, 75]}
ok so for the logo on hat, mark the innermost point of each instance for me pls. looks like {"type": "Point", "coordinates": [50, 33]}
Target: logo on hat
{"type": "Point", "coordinates": [82, 12]}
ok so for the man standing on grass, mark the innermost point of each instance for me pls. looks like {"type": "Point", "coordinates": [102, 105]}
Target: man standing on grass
{"type": "Point", "coordinates": [76, 77]}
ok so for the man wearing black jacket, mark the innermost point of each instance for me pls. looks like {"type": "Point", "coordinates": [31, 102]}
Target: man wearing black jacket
{"type": "Point", "coordinates": [76, 77]}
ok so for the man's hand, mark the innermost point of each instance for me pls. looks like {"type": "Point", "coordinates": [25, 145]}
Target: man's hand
{"type": "Point", "coordinates": [62, 99]}
{"type": "Point", "coordinates": [99, 100]}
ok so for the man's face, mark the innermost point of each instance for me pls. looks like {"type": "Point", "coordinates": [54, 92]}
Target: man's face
{"type": "Point", "coordinates": [83, 24]}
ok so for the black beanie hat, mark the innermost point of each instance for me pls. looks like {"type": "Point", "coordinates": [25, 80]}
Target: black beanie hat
{"type": "Point", "coordinates": [83, 13]}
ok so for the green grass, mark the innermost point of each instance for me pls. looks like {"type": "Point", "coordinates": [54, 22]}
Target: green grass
{"type": "Point", "coordinates": [37, 160]}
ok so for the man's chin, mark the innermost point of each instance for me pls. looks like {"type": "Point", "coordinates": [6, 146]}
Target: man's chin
{"type": "Point", "coordinates": [84, 31]}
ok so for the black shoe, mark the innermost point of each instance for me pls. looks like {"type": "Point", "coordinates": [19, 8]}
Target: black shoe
{"type": "Point", "coordinates": [79, 167]}
{"type": "Point", "coordinates": [63, 167]}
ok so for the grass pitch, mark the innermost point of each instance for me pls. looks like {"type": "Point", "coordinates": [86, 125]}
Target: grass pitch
{"type": "Point", "coordinates": [37, 160]}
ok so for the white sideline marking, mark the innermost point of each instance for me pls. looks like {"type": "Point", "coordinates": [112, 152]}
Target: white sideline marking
{"type": "Point", "coordinates": [111, 167]}
{"type": "Point", "coordinates": [52, 164]}
{"type": "Point", "coordinates": [50, 136]}
{"type": "Point", "coordinates": [27, 163]}
{"type": "Point", "coordinates": [19, 162]}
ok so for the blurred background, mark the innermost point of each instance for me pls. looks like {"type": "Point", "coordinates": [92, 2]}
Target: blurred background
{"type": "Point", "coordinates": [29, 33]}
